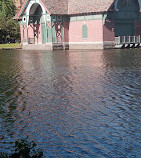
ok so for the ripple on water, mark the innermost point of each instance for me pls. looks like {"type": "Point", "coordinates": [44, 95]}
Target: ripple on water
{"type": "Point", "coordinates": [73, 104]}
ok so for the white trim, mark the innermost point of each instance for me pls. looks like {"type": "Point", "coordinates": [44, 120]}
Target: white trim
{"type": "Point", "coordinates": [84, 42]}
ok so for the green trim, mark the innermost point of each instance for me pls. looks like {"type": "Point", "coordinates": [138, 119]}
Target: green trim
{"type": "Point", "coordinates": [62, 32]}
{"type": "Point", "coordinates": [49, 35]}
{"type": "Point", "coordinates": [44, 34]}
{"type": "Point", "coordinates": [23, 35]}
{"type": "Point", "coordinates": [86, 17]}
{"type": "Point", "coordinates": [27, 34]}
{"type": "Point", "coordinates": [53, 34]}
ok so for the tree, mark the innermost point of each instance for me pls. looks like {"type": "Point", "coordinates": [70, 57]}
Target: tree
{"type": "Point", "coordinates": [7, 8]}
{"type": "Point", "coordinates": [9, 28]}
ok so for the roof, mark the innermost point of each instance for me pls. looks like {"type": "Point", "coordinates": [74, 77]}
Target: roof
{"type": "Point", "coordinates": [56, 6]}
{"type": "Point", "coordinates": [88, 6]}
{"type": "Point", "coordinates": [69, 7]}
{"type": "Point", "coordinates": [77, 6]}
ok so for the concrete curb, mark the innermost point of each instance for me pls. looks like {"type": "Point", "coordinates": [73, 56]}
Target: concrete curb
{"type": "Point", "coordinates": [10, 48]}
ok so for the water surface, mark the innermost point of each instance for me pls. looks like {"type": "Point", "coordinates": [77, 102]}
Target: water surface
{"type": "Point", "coordinates": [72, 103]}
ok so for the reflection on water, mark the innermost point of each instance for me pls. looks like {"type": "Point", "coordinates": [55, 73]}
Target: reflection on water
{"type": "Point", "coordinates": [72, 103]}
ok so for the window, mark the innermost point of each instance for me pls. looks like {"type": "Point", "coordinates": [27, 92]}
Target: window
{"type": "Point", "coordinates": [59, 18]}
{"type": "Point", "coordinates": [24, 19]}
{"type": "Point", "coordinates": [84, 31]}
{"type": "Point", "coordinates": [48, 17]}
{"type": "Point", "coordinates": [54, 18]}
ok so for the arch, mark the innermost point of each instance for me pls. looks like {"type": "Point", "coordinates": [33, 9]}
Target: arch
{"type": "Point", "coordinates": [35, 13]}
{"type": "Point", "coordinates": [31, 5]}
{"type": "Point", "coordinates": [84, 31]}
{"type": "Point", "coordinates": [35, 16]}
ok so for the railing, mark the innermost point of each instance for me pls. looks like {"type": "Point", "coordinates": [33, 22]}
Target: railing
{"type": "Point", "coordinates": [127, 40]}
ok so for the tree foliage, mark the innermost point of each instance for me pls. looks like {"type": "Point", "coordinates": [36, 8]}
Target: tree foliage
{"type": "Point", "coordinates": [9, 28]}
{"type": "Point", "coordinates": [7, 8]}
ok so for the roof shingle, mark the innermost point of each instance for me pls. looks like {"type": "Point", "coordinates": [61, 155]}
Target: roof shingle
{"type": "Point", "coordinates": [88, 6]}
{"type": "Point", "coordinates": [69, 7]}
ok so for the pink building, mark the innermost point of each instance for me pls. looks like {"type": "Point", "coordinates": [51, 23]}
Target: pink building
{"type": "Point", "coordinates": [78, 24]}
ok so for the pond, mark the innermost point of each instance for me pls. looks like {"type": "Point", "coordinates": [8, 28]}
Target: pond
{"type": "Point", "coordinates": [72, 103]}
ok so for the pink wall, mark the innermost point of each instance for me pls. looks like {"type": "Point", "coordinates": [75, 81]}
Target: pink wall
{"type": "Point", "coordinates": [108, 31]}
{"type": "Point", "coordinates": [95, 31]}
{"type": "Point", "coordinates": [30, 31]}
{"type": "Point", "coordinates": [38, 37]}
{"type": "Point", "coordinates": [25, 32]}
{"type": "Point", "coordinates": [21, 31]}
{"type": "Point", "coordinates": [30, 34]}
{"type": "Point", "coordinates": [38, 33]}
{"type": "Point", "coordinates": [66, 31]}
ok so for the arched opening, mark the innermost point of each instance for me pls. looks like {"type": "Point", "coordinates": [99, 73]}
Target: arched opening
{"type": "Point", "coordinates": [34, 23]}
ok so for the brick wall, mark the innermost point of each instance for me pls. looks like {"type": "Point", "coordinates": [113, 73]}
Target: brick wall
{"type": "Point", "coordinates": [108, 31]}
{"type": "Point", "coordinates": [95, 31]}
{"type": "Point", "coordinates": [66, 31]}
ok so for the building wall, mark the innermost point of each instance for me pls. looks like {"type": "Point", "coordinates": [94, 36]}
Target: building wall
{"type": "Point", "coordinates": [38, 34]}
{"type": "Point", "coordinates": [31, 34]}
{"type": "Point", "coordinates": [125, 18]}
{"type": "Point", "coordinates": [95, 31]}
{"type": "Point", "coordinates": [108, 31]}
{"type": "Point", "coordinates": [66, 31]}
{"type": "Point", "coordinates": [21, 32]}
{"type": "Point", "coordinates": [108, 34]}
{"type": "Point", "coordinates": [24, 33]}
{"type": "Point", "coordinates": [137, 27]}
{"type": "Point", "coordinates": [84, 32]}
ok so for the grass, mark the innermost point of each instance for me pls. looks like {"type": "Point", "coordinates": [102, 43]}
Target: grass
{"type": "Point", "coordinates": [10, 45]}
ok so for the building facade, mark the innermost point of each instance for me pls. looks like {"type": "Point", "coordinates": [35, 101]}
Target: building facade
{"type": "Point", "coordinates": [71, 24]}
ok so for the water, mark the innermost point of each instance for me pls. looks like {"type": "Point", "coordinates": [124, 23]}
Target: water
{"type": "Point", "coordinates": [72, 103]}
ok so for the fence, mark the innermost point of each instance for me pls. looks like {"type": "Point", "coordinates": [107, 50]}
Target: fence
{"type": "Point", "coordinates": [127, 40]}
